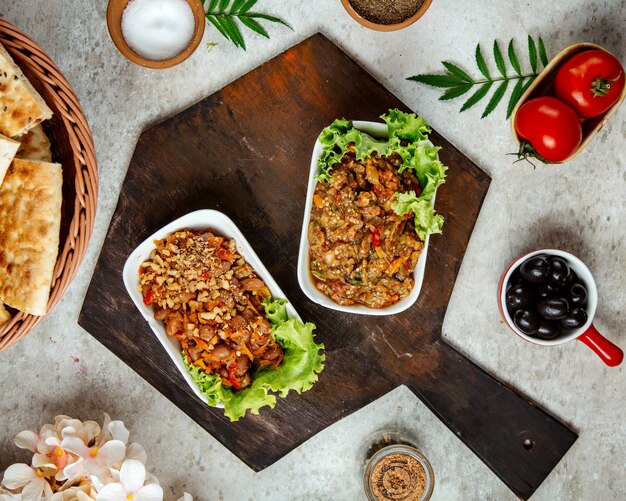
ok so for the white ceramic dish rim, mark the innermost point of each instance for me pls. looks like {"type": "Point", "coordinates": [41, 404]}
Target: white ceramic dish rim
{"type": "Point", "coordinates": [583, 273]}
{"type": "Point", "coordinates": [200, 219]}
{"type": "Point", "coordinates": [375, 129]}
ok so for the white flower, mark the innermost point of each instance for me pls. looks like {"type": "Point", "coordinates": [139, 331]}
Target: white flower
{"type": "Point", "coordinates": [65, 426]}
{"type": "Point", "coordinates": [131, 485]}
{"type": "Point", "coordinates": [9, 496]}
{"type": "Point", "coordinates": [32, 481]}
{"type": "Point", "coordinates": [94, 460]}
{"type": "Point", "coordinates": [28, 440]}
{"type": "Point", "coordinates": [117, 430]}
{"type": "Point", "coordinates": [46, 448]}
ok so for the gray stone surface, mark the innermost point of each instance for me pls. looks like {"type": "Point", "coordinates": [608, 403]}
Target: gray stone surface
{"type": "Point", "coordinates": [579, 207]}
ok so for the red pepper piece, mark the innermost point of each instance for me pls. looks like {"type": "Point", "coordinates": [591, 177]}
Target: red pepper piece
{"type": "Point", "coordinates": [376, 237]}
{"type": "Point", "coordinates": [148, 297]}
{"type": "Point", "coordinates": [224, 254]}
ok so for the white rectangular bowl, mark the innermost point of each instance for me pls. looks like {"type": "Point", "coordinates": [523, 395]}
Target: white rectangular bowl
{"type": "Point", "coordinates": [307, 285]}
{"type": "Point", "coordinates": [199, 220]}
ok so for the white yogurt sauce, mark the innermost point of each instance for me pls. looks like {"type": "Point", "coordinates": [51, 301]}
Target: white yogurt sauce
{"type": "Point", "coordinates": [158, 29]}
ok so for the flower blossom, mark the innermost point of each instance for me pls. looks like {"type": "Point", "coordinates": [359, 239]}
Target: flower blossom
{"type": "Point", "coordinates": [131, 485]}
{"type": "Point", "coordinates": [32, 481]}
{"type": "Point", "coordinates": [94, 460]}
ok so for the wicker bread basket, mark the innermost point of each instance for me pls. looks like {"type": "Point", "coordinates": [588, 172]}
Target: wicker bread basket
{"type": "Point", "coordinates": [72, 146]}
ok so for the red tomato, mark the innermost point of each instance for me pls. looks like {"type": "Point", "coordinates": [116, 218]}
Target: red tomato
{"type": "Point", "coordinates": [550, 126]}
{"type": "Point", "coordinates": [590, 82]}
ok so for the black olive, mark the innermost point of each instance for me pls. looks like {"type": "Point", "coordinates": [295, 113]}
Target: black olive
{"type": "Point", "coordinates": [572, 277]}
{"type": "Point", "coordinates": [515, 277]}
{"type": "Point", "coordinates": [510, 310]}
{"type": "Point", "coordinates": [553, 308]}
{"type": "Point", "coordinates": [575, 319]}
{"type": "Point", "coordinates": [519, 296]}
{"type": "Point", "coordinates": [527, 321]}
{"type": "Point", "coordinates": [545, 291]}
{"type": "Point", "coordinates": [559, 271]}
{"type": "Point", "coordinates": [534, 270]}
{"type": "Point", "coordinates": [548, 330]}
{"type": "Point", "coordinates": [578, 294]}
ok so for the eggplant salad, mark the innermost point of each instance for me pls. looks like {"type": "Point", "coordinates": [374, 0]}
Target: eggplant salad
{"type": "Point", "coordinates": [372, 210]}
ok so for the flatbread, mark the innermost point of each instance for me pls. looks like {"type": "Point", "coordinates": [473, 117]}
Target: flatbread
{"type": "Point", "coordinates": [5, 316]}
{"type": "Point", "coordinates": [35, 145]}
{"type": "Point", "coordinates": [21, 106]}
{"type": "Point", "coordinates": [30, 221]}
{"type": "Point", "coordinates": [8, 149]}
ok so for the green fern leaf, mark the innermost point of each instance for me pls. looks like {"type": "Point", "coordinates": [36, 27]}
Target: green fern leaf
{"type": "Point", "coordinates": [514, 60]}
{"type": "Point", "coordinates": [515, 95]}
{"type": "Point", "coordinates": [457, 72]}
{"type": "Point", "coordinates": [542, 53]}
{"type": "Point", "coordinates": [247, 6]}
{"type": "Point", "coordinates": [528, 83]}
{"type": "Point", "coordinates": [236, 6]}
{"type": "Point", "coordinates": [454, 92]}
{"type": "Point", "coordinates": [480, 62]}
{"type": "Point", "coordinates": [224, 14]}
{"type": "Point", "coordinates": [497, 55]}
{"type": "Point", "coordinates": [215, 22]}
{"type": "Point", "coordinates": [272, 19]}
{"type": "Point", "coordinates": [532, 54]}
{"type": "Point", "coordinates": [254, 26]}
{"type": "Point", "coordinates": [495, 99]}
{"type": "Point", "coordinates": [477, 96]}
{"type": "Point", "coordinates": [437, 80]}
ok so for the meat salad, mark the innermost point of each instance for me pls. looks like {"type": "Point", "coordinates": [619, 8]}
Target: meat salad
{"type": "Point", "coordinates": [211, 300]}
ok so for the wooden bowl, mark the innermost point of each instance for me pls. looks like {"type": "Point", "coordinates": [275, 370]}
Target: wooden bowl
{"type": "Point", "coordinates": [72, 147]}
{"type": "Point", "coordinates": [544, 86]}
{"type": "Point", "coordinates": [386, 27]}
{"type": "Point", "coordinates": [114, 23]}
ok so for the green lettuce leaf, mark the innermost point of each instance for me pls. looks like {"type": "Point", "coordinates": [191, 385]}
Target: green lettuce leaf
{"type": "Point", "coordinates": [429, 170]}
{"type": "Point", "coordinates": [425, 219]}
{"type": "Point", "coordinates": [406, 133]}
{"type": "Point", "coordinates": [299, 369]}
{"type": "Point", "coordinates": [406, 126]}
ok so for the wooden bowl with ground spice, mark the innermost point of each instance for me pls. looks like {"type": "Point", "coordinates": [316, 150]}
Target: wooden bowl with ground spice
{"type": "Point", "coordinates": [398, 472]}
{"type": "Point", "coordinates": [386, 15]}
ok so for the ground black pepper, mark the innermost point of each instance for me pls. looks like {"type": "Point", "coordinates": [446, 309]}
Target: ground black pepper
{"type": "Point", "coordinates": [386, 11]}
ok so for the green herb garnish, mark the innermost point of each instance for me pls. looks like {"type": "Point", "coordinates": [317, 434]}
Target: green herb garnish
{"type": "Point", "coordinates": [457, 82]}
{"type": "Point", "coordinates": [223, 13]}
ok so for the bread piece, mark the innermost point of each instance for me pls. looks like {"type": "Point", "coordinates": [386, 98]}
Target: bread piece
{"type": "Point", "coordinates": [21, 106]}
{"type": "Point", "coordinates": [8, 149]}
{"type": "Point", "coordinates": [30, 220]}
{"type": "Point", "coordinates": [35, 145]}
{"type": "Point", "coordinates": [5, 316]}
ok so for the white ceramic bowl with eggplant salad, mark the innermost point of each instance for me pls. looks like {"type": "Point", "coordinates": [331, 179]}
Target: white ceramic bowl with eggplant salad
{"type": "Point", "coordinates": [305, 277]}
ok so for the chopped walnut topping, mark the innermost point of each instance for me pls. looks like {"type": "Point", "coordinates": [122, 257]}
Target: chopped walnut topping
{"type": "Point", "coordinates": [202, 289]}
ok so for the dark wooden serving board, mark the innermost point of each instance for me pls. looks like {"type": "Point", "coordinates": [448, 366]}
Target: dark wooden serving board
{"type": "Point", "coordinates": [245, 151]}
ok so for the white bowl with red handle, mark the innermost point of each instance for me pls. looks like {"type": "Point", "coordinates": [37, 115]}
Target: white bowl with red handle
{"type": "Point", "coordinates": [610, 353]}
